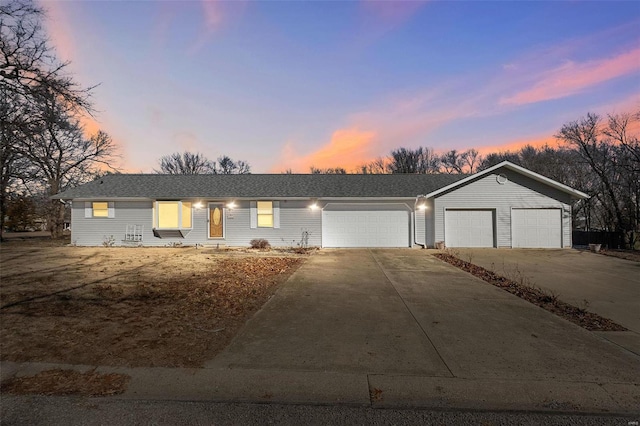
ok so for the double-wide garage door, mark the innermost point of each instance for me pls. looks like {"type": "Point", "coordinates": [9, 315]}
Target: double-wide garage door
{"type": "Point", "coordinates": [370, 225]}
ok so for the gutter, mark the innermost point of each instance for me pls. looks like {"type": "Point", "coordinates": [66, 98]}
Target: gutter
{"type": "Point", "coordinates": [415, 236]}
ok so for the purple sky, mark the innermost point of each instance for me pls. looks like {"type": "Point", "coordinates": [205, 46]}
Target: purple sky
{"type": "Point", "coordinates": [293, 84]}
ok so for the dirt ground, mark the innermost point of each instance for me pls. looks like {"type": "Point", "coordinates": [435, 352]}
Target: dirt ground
{"type": "Point", "coordinates": [623, 254]}
{"type": "Point", "coordinates": [171, 307]}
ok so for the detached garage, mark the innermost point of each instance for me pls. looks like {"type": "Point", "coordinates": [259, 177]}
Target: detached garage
{"type": "Point", "coordinates": [366, 225]}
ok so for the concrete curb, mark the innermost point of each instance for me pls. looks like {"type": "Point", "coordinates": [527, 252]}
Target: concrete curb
{"type": "Point", "coordinates": [359, 389]}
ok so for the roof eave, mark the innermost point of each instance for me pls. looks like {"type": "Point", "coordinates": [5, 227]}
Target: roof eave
{"type": "Point", "coordinates": [526, 172]}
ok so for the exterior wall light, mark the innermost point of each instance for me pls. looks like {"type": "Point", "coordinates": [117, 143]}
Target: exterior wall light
{"type": "Point", "coordinates": [314, 204]}
{"type": "Point", "coordinates": [231, 204]}
{"type": "Point", "coordinates": [198, 205]}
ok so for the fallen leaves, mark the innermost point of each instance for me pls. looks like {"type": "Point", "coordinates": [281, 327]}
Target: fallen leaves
{"type": "Point", "coordinates": [158, 307]}
{"type": "Point", "coordinates": [68, 382]}
{"type": "Point", "coordinates": [538, 297]}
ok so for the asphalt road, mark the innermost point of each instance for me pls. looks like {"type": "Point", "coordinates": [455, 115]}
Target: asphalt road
{"type": "Point", "coordinates": [67, 411]}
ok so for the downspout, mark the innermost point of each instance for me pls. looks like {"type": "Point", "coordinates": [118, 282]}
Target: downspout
{"type": "Point", "coordinates": [415, 236]}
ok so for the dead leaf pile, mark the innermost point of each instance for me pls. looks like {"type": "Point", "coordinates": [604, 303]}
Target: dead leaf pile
{"type": "Point", "coordinates": [68, 382]}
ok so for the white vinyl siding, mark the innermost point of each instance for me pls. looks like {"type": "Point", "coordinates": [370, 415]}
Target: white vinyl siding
{"type": "Point", "coordinates": [536, 228]}
{"type": "Point", "coordinates": [420, 230]}
{"type": "Point", "coordinates": [294, 224]}
{"type": "Point", "coordinates": [89, 231]}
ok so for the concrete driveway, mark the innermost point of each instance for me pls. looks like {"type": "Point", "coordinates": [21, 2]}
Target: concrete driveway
{"type": "Point", "coordinates": [602, 284]}
{"type": "Point", "coordinates": [397, 314]}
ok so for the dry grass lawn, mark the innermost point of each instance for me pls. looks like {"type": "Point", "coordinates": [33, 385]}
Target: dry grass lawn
{"type": "Point", "coordinates": [171, 307]}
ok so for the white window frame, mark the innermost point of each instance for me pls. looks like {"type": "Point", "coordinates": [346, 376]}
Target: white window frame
{"type": "Point", "coordinates": [275, 211]}
{"type": "Point", "coordinates": [89, 213]}
{"type": "Point", "coordinates": [156, 213]}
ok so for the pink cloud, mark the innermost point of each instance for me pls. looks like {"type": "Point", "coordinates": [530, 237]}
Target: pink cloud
{"type": "Point", "coordinates": [517, 144]}
{"type": "Point", "coordinates": [575, 77]}
{"type": "Point", "coordinates": [348, 148]}
{"type": "Point", "coordinates": [58, 28]}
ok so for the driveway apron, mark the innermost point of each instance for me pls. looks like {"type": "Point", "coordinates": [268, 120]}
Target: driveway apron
{"type": "Point", "coordinates": [403, 312]}
{"type": "Point", "coordinates": [338, 312]}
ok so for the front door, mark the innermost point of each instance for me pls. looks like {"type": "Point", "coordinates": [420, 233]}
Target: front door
{"type": "Point", "coordinates": [216, 221]}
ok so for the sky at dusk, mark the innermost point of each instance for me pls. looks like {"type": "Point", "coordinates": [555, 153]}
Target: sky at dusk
{"type": "Point", "coordinates": [290, 84]}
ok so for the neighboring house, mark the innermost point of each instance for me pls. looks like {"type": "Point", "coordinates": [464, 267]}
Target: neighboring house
{"type": "Point", "coordinates": [503, 206]}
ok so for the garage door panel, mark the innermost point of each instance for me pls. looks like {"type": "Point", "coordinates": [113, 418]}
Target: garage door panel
{"type": "Point", "coordinates": [469, 228]}
{"type": "Point", "coordinates": [366, 227]}
{"type": "Point", "coordinates": [536, 228]}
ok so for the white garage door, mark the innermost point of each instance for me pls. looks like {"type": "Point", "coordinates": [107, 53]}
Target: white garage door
{"type": "Point", "coordinates": [536, 228]}
{"type": "Point", "coordinates": [365, 226]}
{"type": "Point", "coordinates": [468, 228]}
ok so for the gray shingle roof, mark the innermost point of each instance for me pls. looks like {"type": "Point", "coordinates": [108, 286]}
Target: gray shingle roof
{"type": "Point", "coordinates": [258, 186]}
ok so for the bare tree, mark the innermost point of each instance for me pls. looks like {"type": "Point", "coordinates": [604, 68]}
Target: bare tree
{"type": "Point", "coordinates": [613, 162]}
{"type": "Point", "coordinates": [28, 62]}
{"type": "Point", "coordinates": [189, 163]}
{"type": "Point", "coordinates": [618, 131]}
{"type": "Point", "coordinates": [471, 160]}
{"type": "Point", "coordinates": [39, 109]}
{"type": "Point", "coordinates": [227, 166]}
{"type": "Point", "coordinates": [494, 158]}
{"type": "Point", "coordinates": [61, 156]}
{"type": "Point", "coordinates": [419, 160]}
{"type": "Point", "coordinates": [186, 163]}
{"type": "Point", "coordinates": [375, 167]}
{"type": "Point", "coordinates": [452, 162]}
{"type": "Point", "coordinates": [328, 171]}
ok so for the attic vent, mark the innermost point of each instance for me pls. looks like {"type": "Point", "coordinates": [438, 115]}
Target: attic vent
{"type": "Point", "coordinates": [502, 179]}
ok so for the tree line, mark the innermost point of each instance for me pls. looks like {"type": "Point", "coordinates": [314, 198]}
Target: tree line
{"type": "Point", "coordinates": [596, 155]}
